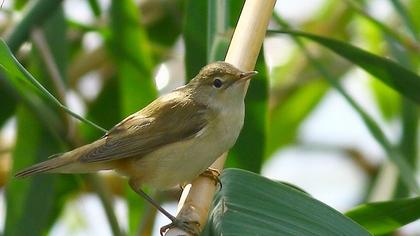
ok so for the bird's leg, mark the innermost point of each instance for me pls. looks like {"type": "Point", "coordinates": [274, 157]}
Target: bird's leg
{"type": "Point", "coordinates": [133, 184]}
{"type": "Point", "coordinates": [188, 226]}
{"type": "Point", "coordinates": [193, 227]}
{"type": "Point", "coordinates": [213, 174]}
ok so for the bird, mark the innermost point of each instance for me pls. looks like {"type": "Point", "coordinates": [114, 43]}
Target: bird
{"type": "Point", "coordinates": [169, 142]}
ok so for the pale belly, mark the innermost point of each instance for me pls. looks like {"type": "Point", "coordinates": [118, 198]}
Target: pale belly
{"type": "Point", "coordinates": [181, 162]}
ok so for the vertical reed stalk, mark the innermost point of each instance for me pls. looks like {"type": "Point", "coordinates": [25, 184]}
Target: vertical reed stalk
{"type": "Point", "coordinates": [243, 52]}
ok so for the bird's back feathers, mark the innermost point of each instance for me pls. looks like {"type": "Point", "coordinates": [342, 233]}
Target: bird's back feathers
{"type": "Point", "coordinates": [136, 136]}
{"type": "Point", "coordinates": [171, 118]}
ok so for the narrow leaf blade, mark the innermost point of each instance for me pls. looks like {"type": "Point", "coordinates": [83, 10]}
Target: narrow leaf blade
{"type": "Point", "coordinates": [391, 73]}
{"type": "Point", "coordinates": [385, 217]}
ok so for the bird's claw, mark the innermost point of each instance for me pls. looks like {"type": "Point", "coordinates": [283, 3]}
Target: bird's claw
{"type": "Point", "coordinates": [213, 174]}
{"type": "Point", "coordinates": [191, 227]}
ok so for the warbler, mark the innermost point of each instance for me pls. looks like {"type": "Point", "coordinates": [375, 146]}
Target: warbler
{"type": "Point", "coordinates": [170, 141]}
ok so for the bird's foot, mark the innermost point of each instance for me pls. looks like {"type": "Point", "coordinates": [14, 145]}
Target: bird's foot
{"type": "Point", "coordinates": [190, 227]}
{"type": "Point", "coordinates": [213, 174]}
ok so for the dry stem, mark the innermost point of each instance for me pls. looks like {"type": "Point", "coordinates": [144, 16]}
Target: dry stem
{"type": "Point", "coordinates": [243, 52]}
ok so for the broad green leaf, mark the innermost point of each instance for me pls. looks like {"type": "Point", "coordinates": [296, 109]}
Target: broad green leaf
{"type": "Point", "coordinates": [394, 75]}
{"type": "Point", "coordinates": [384, 217]}
{"type": "Point", "coordinates": [249, 204]}
{"type": "Point", "coordinates": [7, 102]}
{"type": "Point", "coordinates": [29, 202]}
{"type": "Point", "coordinates": [166, 29]}
{"type": "Point", "coordinates": [235, 8]}
{"type": "Point", "coordinates": [131, 52]}
{"type": "Point", "coordinates": [195, 36]}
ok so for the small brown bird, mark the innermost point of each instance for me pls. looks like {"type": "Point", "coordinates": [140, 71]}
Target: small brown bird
{"type": "Point", "coordinates": [169, 142]}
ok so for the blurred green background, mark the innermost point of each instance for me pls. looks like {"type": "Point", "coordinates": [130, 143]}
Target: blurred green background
{"type": "Point", "coordinates": [339, 122]}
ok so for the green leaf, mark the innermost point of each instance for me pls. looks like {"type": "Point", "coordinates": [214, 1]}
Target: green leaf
{"type": "Point", "coordinates": [15, 79]}
{"type": "Point", "coordinates": [394, 75]}
{"type": "Point", "coordinates": [409, 118]}
{"type": "Point", "coordinates": [386, 98]}
{"type": "Point", "coordinates": [8, 101]}
{"type": "Point", "coordinates": [407, 19]}
{"type": "Point", "coordinates": [249, 204]}
{"type": "Point", "coordinates": [384, 217]}
{"type": "Point", "coordinates": [8, 63]}
{"type": "Point", "coordinates": [195, 36]}
{"type": "Point", "coordinates": [285, 119]}
{"type": "Point", "coordinates": [29, 202]}
{"type": "Point", "coordinates": [412, 8]}
{"type": "Point", "coordinates": [95, 8]}
{"type": "Point", "coordinates": [131, 52]}
{"type": "Point", "coordinates": [25, 83]}
{"type": "Point", "coordinates": [405, 170]}
{"type": "Point", "coordinates": [166, 29]}
{"type": "Point", "coordinates": [38, 12]}
{"type": "Point", "coordinates": [409, 141]}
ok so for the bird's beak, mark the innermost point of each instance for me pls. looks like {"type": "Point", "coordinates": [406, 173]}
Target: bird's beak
{"type": "Point", "coordinates": [247, 75]}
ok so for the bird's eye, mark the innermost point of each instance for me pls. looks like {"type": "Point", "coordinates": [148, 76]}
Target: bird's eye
{"type": "Point", "coordinates": [217, 83]}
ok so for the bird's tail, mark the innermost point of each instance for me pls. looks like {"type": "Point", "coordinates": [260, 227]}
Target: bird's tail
{"type": "Point", "coordinates": [55, 161]}
{"type": "Point", "coordinates": [66, 162]}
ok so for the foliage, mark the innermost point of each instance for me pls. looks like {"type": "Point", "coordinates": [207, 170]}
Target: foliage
{"type": "Point", "coordinates": [137, 38]}
{"type": "Point", "coordinates": [250, 204]}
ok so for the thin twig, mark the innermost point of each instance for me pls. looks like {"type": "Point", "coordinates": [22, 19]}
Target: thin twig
{"type": "Point", "coordinates": [40, 43]}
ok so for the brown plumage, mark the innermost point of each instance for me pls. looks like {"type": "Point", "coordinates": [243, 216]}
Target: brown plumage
{"type": "Point", "coordinates": [135, 136]}
{"type": "Point", "coordinates": [171, 140]}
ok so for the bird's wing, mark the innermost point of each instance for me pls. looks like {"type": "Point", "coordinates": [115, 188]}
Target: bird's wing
{"type": "Point", "coordinates": [151, 128]}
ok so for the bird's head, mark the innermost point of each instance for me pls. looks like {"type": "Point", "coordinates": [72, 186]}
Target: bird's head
{"type": "Point", "coordinates": [220, 83]}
